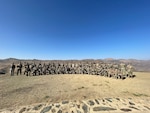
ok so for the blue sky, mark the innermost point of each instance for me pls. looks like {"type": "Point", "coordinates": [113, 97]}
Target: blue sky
{"type": "Point", "coordinates": [75, 29]}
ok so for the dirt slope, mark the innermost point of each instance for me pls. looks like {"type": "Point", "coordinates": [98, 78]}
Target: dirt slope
{"type": "Point", "coordinates": [22, 90]}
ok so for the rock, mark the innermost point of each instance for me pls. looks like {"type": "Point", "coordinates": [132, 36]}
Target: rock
{"type": "Point", "coordinates": [46, 109]}
{"type": "Point", "coordinates": [133, 107]}
{"type": "Point", "coordinates": [72, 105]}
{"type": "Point", "coordinates": [65, 102]}
{"type": "Point", "coordinates": [28, 109]}
{"type": "Point", "coordinates": [103, 100]}
{"type": "Point", "coordinates": [37, 107]}
{"type": "Point", "coordinates": [57, 105]}
{"type": "Point", "coordinates": [100, 108]}
{"type": "Point", "coordinates": [96, 101]}
{"type": "Point", "coordinates": [147, 107]}
{"type": "Point", "coordinates": [22, 110]}
{"type": "Point", "coordinates": [79, 111]}
{"type": "Point", "coordinates": [60, 111]}
{"type": "Point", "coordinates": [53, 110]}
{"type": "Point", "coordinates": [125, 109]}
{"type": "Point", "coordinates": [85, 108]}
{"type": "Point", "coordinates": [90, 102]}
{"type": "Point", "coordinates": [131, 103]}
{"type": "Point", "coordinates": [108, 99]}
{"type": "Point", "coordinates": [78, 106]}
{"type": "Point", "coordinates": [118, 99]}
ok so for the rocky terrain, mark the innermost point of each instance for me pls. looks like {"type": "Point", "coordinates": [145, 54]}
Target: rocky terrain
{"type": "Point", "coordinates": [105, 105]}
{"type": "Point", "coordinates": [78, 93]}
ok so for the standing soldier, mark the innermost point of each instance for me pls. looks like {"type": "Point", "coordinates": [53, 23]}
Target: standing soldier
{"type": "Point", "coordinates": [123, 70]}
{"type": "Point", "coordinates": [129, 70]}
{"type": "Point", "coordinates": [12, 69]}
{"type": "Point", "coordinates": [27, 69]}
{"type": "Point", "coordinates": [39, 69]}
{"type": "Point", "coordinates": [19, 68]}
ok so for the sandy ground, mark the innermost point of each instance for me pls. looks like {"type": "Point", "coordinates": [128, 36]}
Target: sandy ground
{"type": "Point", "coordinates": [22, 90]}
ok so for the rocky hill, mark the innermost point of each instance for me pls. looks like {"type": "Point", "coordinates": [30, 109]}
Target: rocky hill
{"type": "Point", "coordinates": [139, 65]}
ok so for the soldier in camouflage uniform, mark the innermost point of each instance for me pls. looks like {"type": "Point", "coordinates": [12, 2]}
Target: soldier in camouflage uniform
{"type": "Point", "coordinates": [81, 67]}
{"type": "Point", "coordinates": [39, 69]}
{"type": "Point", "coordinates": [123, 70]}
{"type": "Point", "coordinates": [34, 69]}
{"type": "Point", "coordinates": [19, 68]}
{"type": "Point", "coordinates": [27, 69]}
{"type": "Point", "coordinates": [12, 69]}
{"type": "Point", "coordinates": [130, 71]}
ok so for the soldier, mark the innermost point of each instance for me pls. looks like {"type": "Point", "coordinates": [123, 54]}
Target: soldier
{"type": "Point", "coordinates": [19, 68]}
{"type": "Point", "coordinates": [27, 69]}
{"type": "Point", "coordinates": [39, 69]}
{"type": "Point", "coordinates": [123, 70]}
{"type": "Point", "coordinates": [44, 69]}
{"type": "Point", "coordinates": [34, 69]}
{"type": "Point", "coordinates": [12, 69]}
{"type": "Point", "coordinates": [129, 70]}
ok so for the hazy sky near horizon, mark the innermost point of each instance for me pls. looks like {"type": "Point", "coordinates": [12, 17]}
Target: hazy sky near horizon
{"type": "Point", "coordinates": [75, 29]}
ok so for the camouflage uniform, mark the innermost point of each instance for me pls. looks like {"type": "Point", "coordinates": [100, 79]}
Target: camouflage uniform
{"type": "Point", "coordinates": [123, 70]}
{"type": "Point", "coordinates": [12, 69]}
{"type": "Point", "coordinates": [27, 69]}
{"type": "Point", "coordinates": [129, 70]}
{"type": "Point", "coordinates": [19, 68]}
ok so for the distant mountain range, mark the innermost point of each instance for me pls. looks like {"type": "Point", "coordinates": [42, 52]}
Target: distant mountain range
{"type": "Point", "coordinates": [139, 65]}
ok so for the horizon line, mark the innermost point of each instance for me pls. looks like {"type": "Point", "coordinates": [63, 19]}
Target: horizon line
{"type": "Point", "coordinates": [74, 59]}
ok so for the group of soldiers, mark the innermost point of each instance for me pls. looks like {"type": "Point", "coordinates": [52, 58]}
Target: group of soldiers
{"type": "Point", "coordinates": [118, 71]}
{"type": "Point", "coordinates": [19, 68]}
